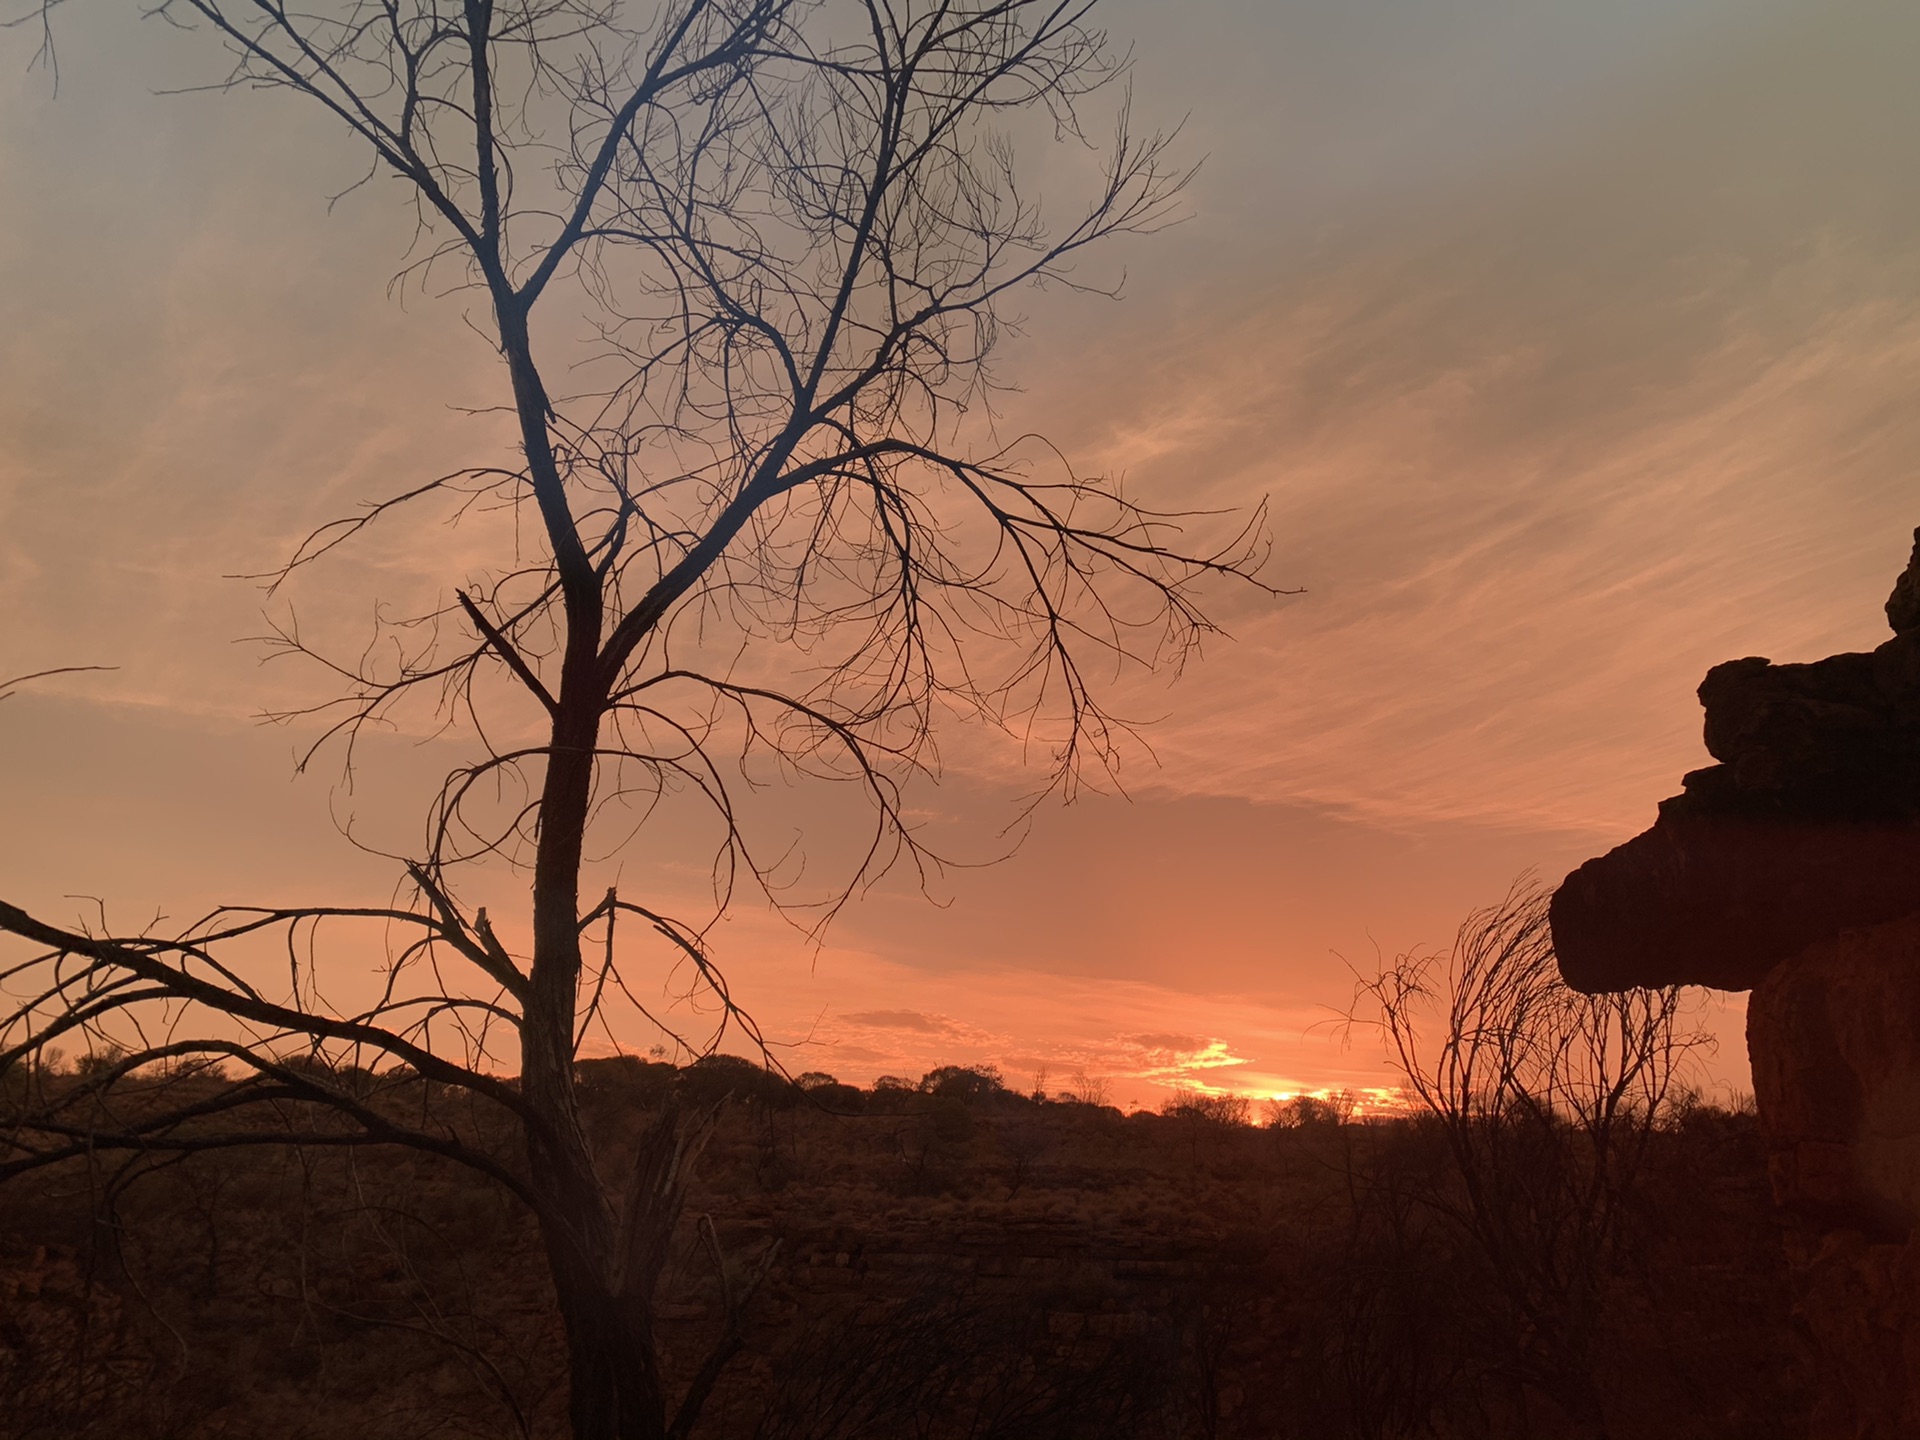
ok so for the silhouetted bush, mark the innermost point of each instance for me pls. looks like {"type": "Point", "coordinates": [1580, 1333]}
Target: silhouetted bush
{"type": "Point", "coordinates": [962, 1082]}
{"type": "Point", "coordinates": [627, 1080]}
{"type": "Point", "coordinates": [1209, 1109]}
{"type": "Point", "coordinates": [831, 1095]}
{"type": "Point", "coordinates": [97, 1062]}
{"type": "Point", "coordinates": [1311, 1112]}
{"type": "Point", "coordinates": [714, 1078]}
{"type": "Point", "coordinates": [1547, 1101]}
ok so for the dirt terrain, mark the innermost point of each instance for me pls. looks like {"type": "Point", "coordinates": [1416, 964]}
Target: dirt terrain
{"type": "Point", "coordinates": [979, 1264]}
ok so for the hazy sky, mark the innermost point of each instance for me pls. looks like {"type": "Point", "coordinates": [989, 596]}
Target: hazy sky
{"type": "Point", "coordinates": [1572, 345]}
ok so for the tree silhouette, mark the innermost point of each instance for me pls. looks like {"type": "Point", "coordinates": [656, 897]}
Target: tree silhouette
{"type": "Point", "coordinates": [1547, 1100]}
{"type": "Point", "coordinates": [765, 536]}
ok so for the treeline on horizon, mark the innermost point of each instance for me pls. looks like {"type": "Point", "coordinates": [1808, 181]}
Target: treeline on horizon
{"type": "Point", "coordinates": [722, 1076]}
{"type": "Point", "coordinates": [718, 1077]}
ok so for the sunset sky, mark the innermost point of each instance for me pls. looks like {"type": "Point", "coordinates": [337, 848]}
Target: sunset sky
{"type": "Point", "coordinates": [1572, 345]}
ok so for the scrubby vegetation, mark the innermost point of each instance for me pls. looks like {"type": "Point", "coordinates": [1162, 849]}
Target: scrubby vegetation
{"type": "Point", "coordinates": [930, 1259]}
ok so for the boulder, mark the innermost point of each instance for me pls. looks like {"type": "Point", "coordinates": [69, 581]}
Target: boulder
{"type": "Point", "coordinates": [1706, 898]}
{"type": "Point", "coordinates": [1809, 824]}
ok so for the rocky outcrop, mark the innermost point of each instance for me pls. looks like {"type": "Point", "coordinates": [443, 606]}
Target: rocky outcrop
{"type": "Point", "coordinates": [1792, 867]}
{"type": "Point", "coordinates": [1809, 825]}
{"type": "Point", "coordinates": [1834, 1034]}
{"type": "Point", "coordinates": [1903, 606]}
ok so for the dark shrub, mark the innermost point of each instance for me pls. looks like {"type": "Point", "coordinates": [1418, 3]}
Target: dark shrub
{"type": "Point", "coordinates": [714, 1078]}
{"type": "Point", "coordinates": [962, 1082]}
{"type": "Point", "coordinates": [626, 1079]}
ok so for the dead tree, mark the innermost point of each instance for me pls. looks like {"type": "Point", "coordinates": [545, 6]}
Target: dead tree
{"type": "Point", "coordinates": [763, 534]}
{"type": "Point", "coordinates": [1547, 1099]}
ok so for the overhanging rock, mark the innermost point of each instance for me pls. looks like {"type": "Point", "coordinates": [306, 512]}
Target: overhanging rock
{"type": "Point", "coordinates": [1808, 826]}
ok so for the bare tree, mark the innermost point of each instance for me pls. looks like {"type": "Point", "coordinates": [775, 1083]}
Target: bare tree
{"type": "Point", "coordinates": [763, 535]}
{"type": "Point", "coordinates": [1547, 1099]}
{"type": "Point", "coordinates": [1090, 1089]}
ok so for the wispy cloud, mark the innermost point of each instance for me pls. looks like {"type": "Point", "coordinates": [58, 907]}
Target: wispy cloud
{"type": "Point", "coordinates": [912, 1020]}
{"type": "Point", "coordinates": [1543, 449]}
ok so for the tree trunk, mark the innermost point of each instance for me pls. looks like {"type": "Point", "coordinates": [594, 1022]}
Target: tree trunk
{"type": "Point", "coordinates": [615, 1387]}
{"type": "Point", "coordinates": [606, 1266]}
{"type": "Point", "coordinates": [605, 1259]}
{"type": "Point", "coordinates": [615, 1390]}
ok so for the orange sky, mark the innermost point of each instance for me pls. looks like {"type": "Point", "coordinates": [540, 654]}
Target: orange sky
{"type": "Point", "coordinates": [1573, 346]}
